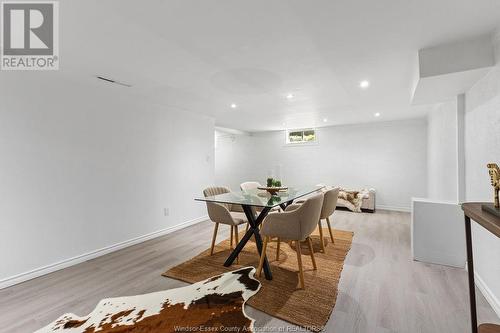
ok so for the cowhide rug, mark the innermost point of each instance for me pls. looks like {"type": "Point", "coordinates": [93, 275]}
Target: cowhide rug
{"type": "Point", "coordinates": [213, 305]}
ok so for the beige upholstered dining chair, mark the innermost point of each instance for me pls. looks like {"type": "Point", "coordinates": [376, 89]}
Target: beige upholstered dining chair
{"type": "Point", "coordinates": [249, 186]}
{"type": "Point", "coordinates": [296, 223]}
{"type": "Point", "coordinates": [222, 213]}
{"type": "Point", "coordinates": [329, 204]}
{"type": "Point", "coordinates": [246, 186]}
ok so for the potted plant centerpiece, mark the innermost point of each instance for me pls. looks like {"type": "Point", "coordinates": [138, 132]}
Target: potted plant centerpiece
{"type": "Point", "coordinates": [273, 186]}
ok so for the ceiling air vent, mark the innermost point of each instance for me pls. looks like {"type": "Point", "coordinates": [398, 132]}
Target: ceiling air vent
{"type": "Point", "coordinates": [113, 81]}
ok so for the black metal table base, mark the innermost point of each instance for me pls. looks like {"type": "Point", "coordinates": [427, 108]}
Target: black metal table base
{"type": "Point", "coordinates": [253, 230]}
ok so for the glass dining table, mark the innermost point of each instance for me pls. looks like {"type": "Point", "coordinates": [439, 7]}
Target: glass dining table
{"type": "Point", "coordinates": [249, 201]}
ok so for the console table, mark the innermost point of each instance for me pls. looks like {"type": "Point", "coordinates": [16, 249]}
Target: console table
{"type": "Point", "coordinates": [473, 210]}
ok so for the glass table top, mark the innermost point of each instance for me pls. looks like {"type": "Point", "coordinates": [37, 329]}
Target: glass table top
{"type": "Point", "coordinates": [260, 198]}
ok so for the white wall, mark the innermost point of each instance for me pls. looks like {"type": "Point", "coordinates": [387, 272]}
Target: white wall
{"type": "Point", "coordinates": [482, 145]}
{"type": "Point", "coordinates": [232, 159]}
{"type": "Point", "coordinates": [389, 156]}
{"type": "Point", "coordinates": [83, 167]}
{"type": "Point", "coordinates": [442, 152]}
{"type": "Point", "coordinates": [436, 237]}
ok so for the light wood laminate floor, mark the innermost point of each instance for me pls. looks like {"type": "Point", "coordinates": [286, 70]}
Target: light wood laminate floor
{"type": "Point", "coordinates": [381, 288]}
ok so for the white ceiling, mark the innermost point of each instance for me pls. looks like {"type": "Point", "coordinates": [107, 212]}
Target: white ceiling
{"type": "Point", "coordinates": [203, 55]}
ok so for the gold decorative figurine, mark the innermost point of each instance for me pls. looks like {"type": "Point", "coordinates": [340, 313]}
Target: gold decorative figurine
{"type": "Point", "coordinates": [494, 172]}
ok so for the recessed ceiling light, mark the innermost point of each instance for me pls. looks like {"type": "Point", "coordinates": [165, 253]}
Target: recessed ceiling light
{"type": "Point", "coordinates": [289, 96]}
{"type": "Point", "coordinates": [364, 84]}
{"type": "Point", "coordinates": [233, 106]}
{"type": "Point", "coordinates": [325, 120]}
{"type": "Point", "coordinates": [377, 114]}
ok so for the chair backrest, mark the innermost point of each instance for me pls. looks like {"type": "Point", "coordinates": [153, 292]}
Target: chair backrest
{"type": "Point", "coordinates": [249, 186]}
{"type": "Point", "coordinates": [329, 202]}
{"type": "Point", "coordinates": [215, 190]}
{"type": "Point", "coordinates": [310, 212]}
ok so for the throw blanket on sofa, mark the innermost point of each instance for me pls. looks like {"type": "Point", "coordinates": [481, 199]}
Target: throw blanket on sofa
{"type": "Point", "coordinates": [352, 200]}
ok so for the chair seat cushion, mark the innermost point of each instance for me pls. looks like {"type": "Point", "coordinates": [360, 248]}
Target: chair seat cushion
{"type": "Point", "coordinates": [274, 209]}
{"type": "Point", "coordinates": [239, 218]}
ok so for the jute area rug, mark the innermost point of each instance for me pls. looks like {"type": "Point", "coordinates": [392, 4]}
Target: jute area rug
{"type": "Point", "coordinates": [281, 297]}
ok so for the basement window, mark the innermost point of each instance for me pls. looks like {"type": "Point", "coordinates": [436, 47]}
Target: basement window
{"type": "Point", "coordinates": [307, 135]}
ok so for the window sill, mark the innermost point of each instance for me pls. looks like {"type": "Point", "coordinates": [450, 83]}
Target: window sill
{"type": "Point", "coordinates": [301, 144]}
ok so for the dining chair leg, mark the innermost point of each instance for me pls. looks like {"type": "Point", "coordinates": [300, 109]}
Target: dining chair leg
{"type": "Point", "coordinates": [311, 250]}
{"type": "Point", "coordinates": [216, 228]}
{"type": "Point", "coordinates": [330, 229]}
{"type": "Point", "coordinates": [321, 239]}
{"type": "Point", "coordinates": [299, 260]}
{"type": "Point", "coordinates": [232, 235]}
{"type": "Point", "coordinates": [262, 256]}
{"type": "Point", "coordinates": [278, 250]}
{"type": "Point", "coordinates": [236, 241]}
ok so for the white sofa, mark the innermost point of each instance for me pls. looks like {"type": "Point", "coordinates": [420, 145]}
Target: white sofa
{"type": "Point", "coordinates": [368, 201]}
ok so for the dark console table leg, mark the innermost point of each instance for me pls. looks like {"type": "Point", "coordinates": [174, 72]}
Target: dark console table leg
{"type": "Point", "coordinates": [470, 269]}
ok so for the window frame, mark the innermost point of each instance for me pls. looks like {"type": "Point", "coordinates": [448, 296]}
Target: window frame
{"type": "Point", "coordinates": [303, 142]}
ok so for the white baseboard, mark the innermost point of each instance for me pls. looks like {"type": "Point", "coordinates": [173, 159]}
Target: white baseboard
{"type": "Point", "coordinates": [439, 258]}
{"type": "Point", "coordinates": [394, 208]}
{"type": "Point", "coordinates": [490, 297]}
{"type": "Point", "coordinates": [10, 281]}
